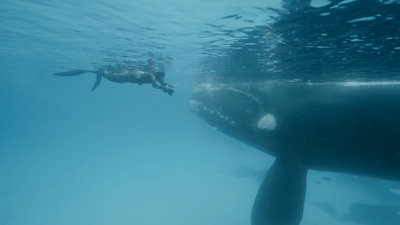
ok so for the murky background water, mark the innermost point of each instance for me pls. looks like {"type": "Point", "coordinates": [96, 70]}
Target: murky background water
{"type": "Point", "coordinates": [129, 154]}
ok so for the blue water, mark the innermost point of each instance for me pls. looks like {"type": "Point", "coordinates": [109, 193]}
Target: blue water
{"type": "Point", "coordinates": [129, 154]}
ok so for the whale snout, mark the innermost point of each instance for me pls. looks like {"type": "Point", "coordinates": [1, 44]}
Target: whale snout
{"type": "Point", "coordinates": [194, 106]}
{"type": "Point", "coordinates": [220, 106]}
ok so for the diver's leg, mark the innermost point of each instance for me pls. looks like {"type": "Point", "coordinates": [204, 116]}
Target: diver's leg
{"type": "Point", "coordinates": [72, 73]}
{"type": "Point", "coordinates": [79, 72]}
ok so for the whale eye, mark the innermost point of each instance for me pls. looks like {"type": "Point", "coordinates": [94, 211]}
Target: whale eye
{"type": "Point", "coordinates": [137, 76]}
{"type": "Point", "coordinates": [268, 122]}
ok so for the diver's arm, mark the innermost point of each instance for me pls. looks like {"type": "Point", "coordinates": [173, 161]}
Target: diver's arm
{"type": "Point", "coordinates": [150, 62]}
{"type": "Point", "coordinates": [165, 84]}
{"type": "Point", "coordinates": [155, 85]}
{"type": "Point", "coordinates": [165, 88]}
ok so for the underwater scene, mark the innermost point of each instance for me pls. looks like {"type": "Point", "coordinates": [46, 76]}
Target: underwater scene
{"type": "Point", "coordinates": [200, 112]}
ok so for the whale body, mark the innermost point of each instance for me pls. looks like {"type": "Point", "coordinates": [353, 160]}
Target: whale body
{"type": "Point", "coordinates": [349, 128]}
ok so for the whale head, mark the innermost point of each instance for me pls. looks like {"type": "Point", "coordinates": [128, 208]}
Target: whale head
{"type": "Point", "coordinates": [236, 113]}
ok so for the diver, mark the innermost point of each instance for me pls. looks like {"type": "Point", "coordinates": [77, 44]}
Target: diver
{"type": "Point", "coordinates": [122, 74]}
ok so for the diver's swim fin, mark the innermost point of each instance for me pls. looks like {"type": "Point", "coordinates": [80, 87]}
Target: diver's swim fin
{"type": "Point", "coordinates": [97, 83]}
{"type": "Point", "coordinates": [280, 199]}
{"type": "Point", "coordinates": [71, 73]}
{"type": "Point", "coordinates": [79, 72]}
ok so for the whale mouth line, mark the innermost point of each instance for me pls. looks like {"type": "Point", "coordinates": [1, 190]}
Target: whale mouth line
{"type": "Point", "coordinates": [209, 89]}
{"type": "Point", "coordinates": [209, 112]}
{"type": "Point", "coordinates": [228, 106]}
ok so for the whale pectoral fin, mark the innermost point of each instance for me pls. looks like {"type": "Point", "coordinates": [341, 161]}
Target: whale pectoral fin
{"type": "Point", "coordinates": [97, 83]}
{"type": "Point", "coordinates": [71, 73]}
{"type": "Point", "coordinates": [280, 199]}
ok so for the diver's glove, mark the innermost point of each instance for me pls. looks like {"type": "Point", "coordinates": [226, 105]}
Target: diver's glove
{"type": "Point", "coordinates": [170, 91]}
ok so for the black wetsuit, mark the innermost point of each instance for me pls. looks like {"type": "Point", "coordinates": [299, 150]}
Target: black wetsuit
{"type": "Point", "coordinates": [132, 75]}
{"type": "Point", "coordinates": [120, 74]}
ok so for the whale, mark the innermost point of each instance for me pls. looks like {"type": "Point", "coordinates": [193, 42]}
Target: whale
{"type": "Point", "coordinates": [362, 213]}
{"type": "Point", "coordinates": [344, 127]}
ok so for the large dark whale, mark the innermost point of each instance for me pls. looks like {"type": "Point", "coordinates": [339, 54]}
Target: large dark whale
{"type": "Point", "coordinates": [338, 127]}
{"type": "Point", "coordinates": [367, 214]}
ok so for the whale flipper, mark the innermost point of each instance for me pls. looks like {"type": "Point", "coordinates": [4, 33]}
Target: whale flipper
{"type": "Point", "coordinates": [280, 199]}
{"type": "Point", "coordinates": [71, 73]}
{"type": "Point", "coordinates": [97, 83]}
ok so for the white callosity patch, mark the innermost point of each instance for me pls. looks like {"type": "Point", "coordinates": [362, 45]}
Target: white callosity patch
{"type": "Point", "coordinates": [268, 122]}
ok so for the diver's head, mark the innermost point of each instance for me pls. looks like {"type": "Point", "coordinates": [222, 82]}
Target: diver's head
{"type": "Point", "coordinates": [160, 75]}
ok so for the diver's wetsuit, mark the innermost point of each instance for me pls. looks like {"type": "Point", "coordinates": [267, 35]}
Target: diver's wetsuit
{"type": "Point", "coordinates": [120, 74]}
{"type": "Point", "coordinates": [130, 75]}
